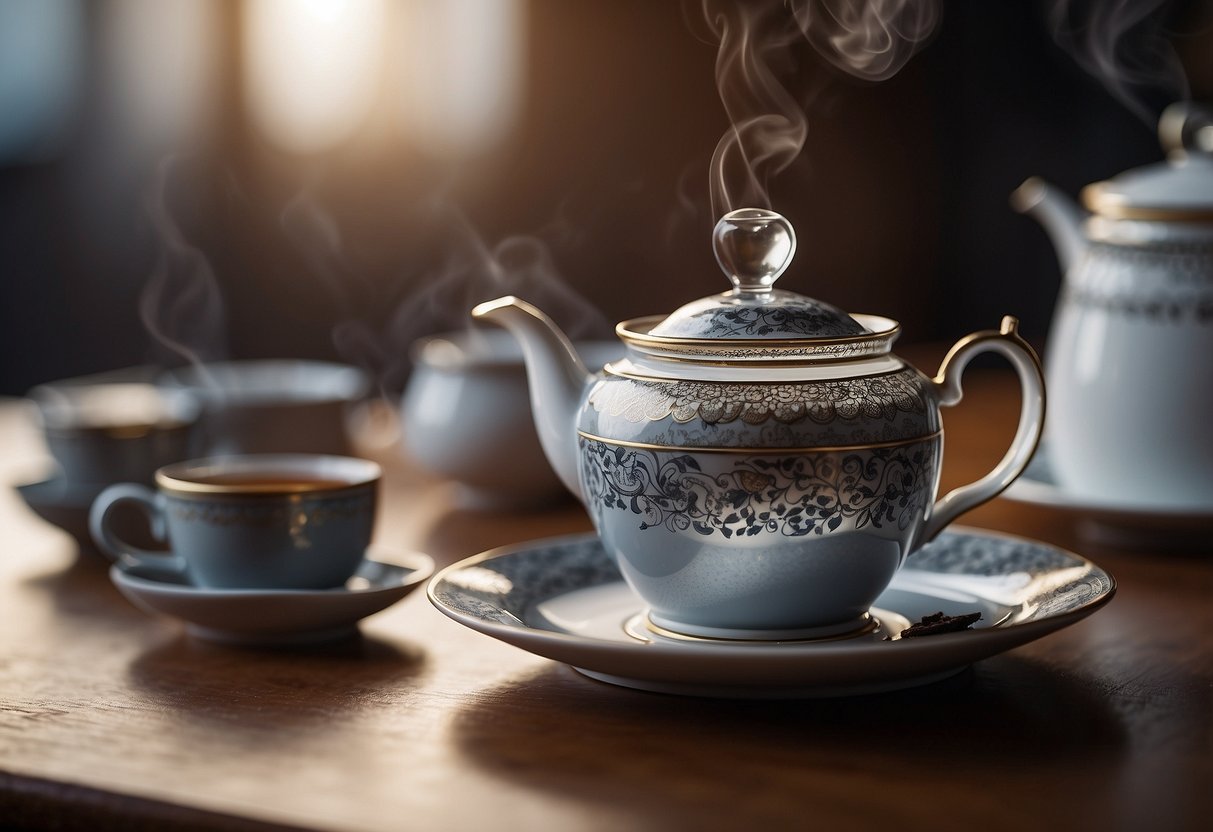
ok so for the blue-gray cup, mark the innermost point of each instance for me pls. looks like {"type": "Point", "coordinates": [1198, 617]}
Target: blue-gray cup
{"type": "Point", "coordinates": [260, 521]}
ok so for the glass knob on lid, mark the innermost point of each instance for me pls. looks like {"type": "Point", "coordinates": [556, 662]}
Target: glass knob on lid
{"type": "Point", "coordinates": [754, 246]}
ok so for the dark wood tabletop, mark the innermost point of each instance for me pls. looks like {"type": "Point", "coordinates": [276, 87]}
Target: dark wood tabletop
{"type": "Point", "coordinates": [111, 718]}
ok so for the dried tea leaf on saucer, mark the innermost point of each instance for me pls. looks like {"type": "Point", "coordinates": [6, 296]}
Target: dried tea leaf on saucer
{"type": "Point", "coordinates": [936, 623]}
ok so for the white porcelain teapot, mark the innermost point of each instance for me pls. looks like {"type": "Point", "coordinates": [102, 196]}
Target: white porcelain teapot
{"type": "Point", "coordinates": [759, 463]}
{"type": "Point", "coordinates": [1130, 357]}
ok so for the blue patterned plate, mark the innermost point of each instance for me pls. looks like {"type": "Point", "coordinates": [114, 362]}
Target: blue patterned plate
{"type": "Point", "coordinates": [564, 599]}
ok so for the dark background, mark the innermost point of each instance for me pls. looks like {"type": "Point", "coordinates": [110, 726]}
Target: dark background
{"type": "Point", "coordinates": [899, 198]}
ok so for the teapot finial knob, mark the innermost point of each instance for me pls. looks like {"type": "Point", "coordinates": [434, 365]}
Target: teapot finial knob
{"type": "Point", "coordinates": [1186, 127]}
{"type": "Point", "coordinates": [753, 247]}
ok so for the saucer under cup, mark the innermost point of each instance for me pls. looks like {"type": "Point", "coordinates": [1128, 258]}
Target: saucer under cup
{"type": "Point", "coordinates": [261, 617]}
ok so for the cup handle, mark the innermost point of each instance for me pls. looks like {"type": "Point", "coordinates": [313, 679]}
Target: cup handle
{"type": "Point", "coordinates": [1006, 341]}
{"type": "Point", "coordinates": [119, 550]}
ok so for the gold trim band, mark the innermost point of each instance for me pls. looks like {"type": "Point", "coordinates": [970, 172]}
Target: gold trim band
{"type": "Point", "coordinates": [793, 360]}
{"type": "Point", "coordinates": [288, 483]}
{"type": "Point", "coordinates": [648, 446]}
{"type": "Point", "coordinates": [1097, 198]}
{"type": "Point", "coordinates": [188, 488]}
{"type": "Point", "coordinates": [641, 627]}
{"type": "Point", "coordinates": [785, 363]}
{"type": "Point", "coordinates": [268, 475]}
{"type": "Point", "coordinates": [625, 330]}
{"type": "Point", "coordinates": [611, 371]}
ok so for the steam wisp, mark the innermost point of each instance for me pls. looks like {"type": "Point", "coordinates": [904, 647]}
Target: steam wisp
{"type": "Point", "coordinates": [475, 271]}
{"type": "Point", "coordinates": [1123, 44]}
{"type": "Point", "coordinates": [181, 304]}
{"type": "Point", "coordinates": [768, 126]}
{"type": "Point", "coordinates": [869, 39]}
{"type": "Point", "coordinates": [316, 234]}
{"type": "Point", "coordinates": [471, 270]}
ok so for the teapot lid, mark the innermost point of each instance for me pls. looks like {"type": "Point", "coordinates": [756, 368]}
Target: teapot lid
{"type": "Point", "coordinates": [754, 321]}
{"type": "Point", "coordinates": [753, 247]}
{"type": "Point", "coordinates": [1179, 189]}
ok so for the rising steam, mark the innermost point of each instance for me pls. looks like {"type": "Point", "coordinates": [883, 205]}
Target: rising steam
{"type": "Point", "coordinates": [1123, 43]}
{"type": "Point", "coordinates": [471, 271]}
{"type": "Point", "coordinates": [768, 126]}
{"type": "Point", "coordinates": [869, 39]}
{"type": "Point", "coordinates": [316, 235]}
{"type": "Point", "coordinates": [181, 304]}
{"type": "Point", "coordinates": [475, 271]}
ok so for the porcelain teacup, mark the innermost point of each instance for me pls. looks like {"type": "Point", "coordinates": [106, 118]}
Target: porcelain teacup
{"type": "Point", "coordinates": [273, 406]}
{"type": "Point", "coordinates": [263, 521]}
{"type": "Point", "coordinates": [105, 432]}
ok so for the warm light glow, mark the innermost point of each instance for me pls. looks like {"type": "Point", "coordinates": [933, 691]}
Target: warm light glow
{"type": "Point", "coordinates": [160, 66]}
{"type": "Point", "coordinates": [463, 73]}
{"type": "Point", "coordinates": [312, 68]}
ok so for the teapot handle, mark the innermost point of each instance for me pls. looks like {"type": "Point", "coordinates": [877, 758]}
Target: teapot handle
{"type": "Point", "coordinates": [1006, 341]}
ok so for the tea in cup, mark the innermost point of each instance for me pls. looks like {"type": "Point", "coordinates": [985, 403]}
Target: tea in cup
{"type": "Point", "coordinates": [106, 432]}
{"type": "Point", "coordinates": [268, 521]}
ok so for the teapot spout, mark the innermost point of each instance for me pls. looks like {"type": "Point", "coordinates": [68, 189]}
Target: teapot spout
{"type": "Point", "coordinates": [1060, 215]}
{"type": "Point", "coordinates": [557, 378]}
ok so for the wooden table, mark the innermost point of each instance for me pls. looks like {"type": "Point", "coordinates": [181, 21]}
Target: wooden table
{"type": "Point", "coordinates": [111, 718]}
